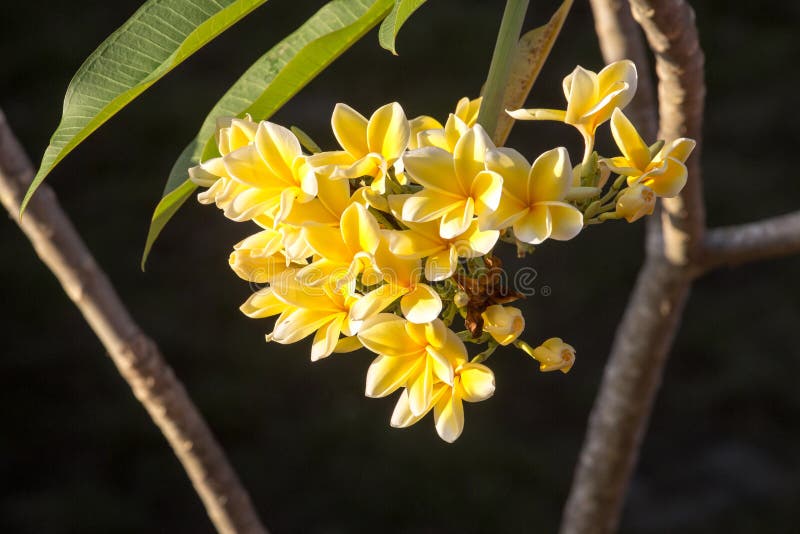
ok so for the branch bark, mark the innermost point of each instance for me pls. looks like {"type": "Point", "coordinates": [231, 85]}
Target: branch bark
{"type": "Point", "coordinates": [734, 245]}
{"type": "Point", "coordinates": [136, 356]}
{"type": "Point", "coordinates": [643, 339]}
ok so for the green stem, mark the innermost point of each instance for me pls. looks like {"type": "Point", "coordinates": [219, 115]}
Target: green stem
{"type": "Point", "coordinates": [500, 68]}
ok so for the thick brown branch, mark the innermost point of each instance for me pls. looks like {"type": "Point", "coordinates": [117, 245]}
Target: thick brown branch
{"type": "Point", "coordinates": [136, 356]}
{"type": "Point", "coordinates": [623, 405]}
{"type": "Point", "coordinates": [644, 337]}
{"type": "Point", "coordinates": [669, 26]}
{"type": "Point", "coordinates": [770, 238]}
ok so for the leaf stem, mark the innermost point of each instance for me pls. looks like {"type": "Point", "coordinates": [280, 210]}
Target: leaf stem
{"type": "Point", "coordinates": [500, 67]}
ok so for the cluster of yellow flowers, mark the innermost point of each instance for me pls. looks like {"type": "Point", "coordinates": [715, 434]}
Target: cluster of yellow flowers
{"type": "Point", "coordinates": [384, 243]}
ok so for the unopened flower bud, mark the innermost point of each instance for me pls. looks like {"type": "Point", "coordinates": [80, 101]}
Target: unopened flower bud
{"type": "Point", "coordinates": [636, 202]}
{"type": "Point", "coordinates": [552, 355]}
{"type": "Point", "coordinates": [503, 323]}
{"type": "Point", "coordinates": [461, 299]}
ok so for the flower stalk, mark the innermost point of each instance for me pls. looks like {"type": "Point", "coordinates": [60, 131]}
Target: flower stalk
{"type": "Point", "coordinates": [500, 67]}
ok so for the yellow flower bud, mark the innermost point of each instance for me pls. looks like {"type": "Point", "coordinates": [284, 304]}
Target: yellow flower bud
{"type": "Point", "coordinates": [636, 202]}
{"type": "Point", "coordinates": [503, 323]}
{"type": "Point", "coordinates": [461, 299]}
{"type": "Point", "coordinates": [552, 355]}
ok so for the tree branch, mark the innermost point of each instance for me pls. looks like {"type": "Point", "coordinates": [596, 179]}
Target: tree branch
{"type": "Point", "coordinates": [770, 238]}
{"type": "Point", "coordinates": [136, 356]}
{"type": "Point", "coordinates": [621, 38]}
{"type": "Point", "coordinates": [644, 337]}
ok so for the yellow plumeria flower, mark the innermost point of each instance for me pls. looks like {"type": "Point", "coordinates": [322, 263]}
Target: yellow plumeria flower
{"type": "Point", "coordinates": [371, 146]}
{"type": "Point", "coordinates": [456, 186]}
{"type": "Point", "coordinates": [419, 302]}
{"type": "Point", "coordinates": [664, 173]}
{"type": "Point", "coordinates": [344, 252]}
{"type": "Point", "coordinates": [445, 138]}
{"type": "Point", "coordinates": [239, 202]}
{"type": "Point", "coordinates": [472, 382]}
{"type": "Point", "coordinates": [591, 98]}
{"type": "Point", "coordinates": [260, 258]}
{"type": "Point", "coordinates": [466, 112]}
{"type": "Point", "coordinates": [275, 166]}
{"type": "Point", "coordinates": [325, 310]}
{"type": "Point", "coordinates": [423, 240]}
{"type": "Point", "coordinates": [410, 355]}
{"type": "Point", "coordinates": [635, 202]}
{"type": "Point", "coordinates": [503, 323]}
{"type": "Point", "coordinates": [533, 196]}
{"type": "Point", "coordinates": [552, 355]}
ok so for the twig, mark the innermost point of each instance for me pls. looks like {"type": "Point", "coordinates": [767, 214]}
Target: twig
{"type": "Point", "coordinates": [136, 356]}
{"type": "Point", "coordinates": [734, 245]}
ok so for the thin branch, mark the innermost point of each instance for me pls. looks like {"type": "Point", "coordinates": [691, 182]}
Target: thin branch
{"type": "Point", "coordinates": [620, 37]}
{"type": "Point", "coordinates": [136, 356]}
{"type": "Point", "coordinates": [741, 243]}
{"type": "Point", "coordinates": [644, 337]}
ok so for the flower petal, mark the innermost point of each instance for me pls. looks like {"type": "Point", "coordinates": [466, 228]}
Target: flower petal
{"type": "Point", "coordinates": [432, 167]}
{"type": "Point", "coordinates": [326, 338]}
{"type": "Point", "coordinates": [387, 374]}
{"type": "Point", "coordinates": [350, 128]}
{"type": "Point", "coordinates": [566, 220]}
{"type": "Point", "coordinates": [550, 177]}
{"type": "Point", "coordinates": [456, 220]}
{"type": "Point", "coordinates": [514, 169]}
{"type": "Point", "coordinates": [441, 265]}
{"type": "Point", "coordinates": [469, 157]}
{"type": "Point", "coordinates": [535, 226]}
{"type": "Point", "coordinates": [429, 205]}
{"type": "Point", "coordinates": [486, 190]}
{"type": "Point", "coordinates": [278, 147]}
{"type": "Point", "coordinates": [376, 301]}
{"type": "Point", "coordinates": [580, 87]}
{"type": "Point", "coordinates": [670, 182]}
{"type": "Point", "coordinates": [388, 131]}
{"type": "Point", "coordinates": [421, 305]}
{"type": "Point", "coordinates": [538, 114]}
{"type": "Point", "coordinates": [629, 141]}
{"type": "Point", "coordinates": [449, 416]}
{"type": "Point", "coordinates": [385, 334]}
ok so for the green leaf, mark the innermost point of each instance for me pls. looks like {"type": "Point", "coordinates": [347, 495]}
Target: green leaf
{"type": "Point", "coordinates": [268, 84]}
{"type": "Point", "coordinates": [391, 25]}
{"type": "Point", "coordinates": [158, 37]}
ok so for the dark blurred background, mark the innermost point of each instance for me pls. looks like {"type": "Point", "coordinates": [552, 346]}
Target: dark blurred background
{"type": "Point", "coordinates": [79, 454]}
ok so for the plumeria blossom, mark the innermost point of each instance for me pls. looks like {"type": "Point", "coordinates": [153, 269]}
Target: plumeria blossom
{"type": "Point", "coordinates": [345, 252]}
{"type": "Point", "coordinates": [472, 382]}
{"type": "Point", "coordinates": [664, 173]}
{"type": "Point", "coordinates": [591, 98]}
{"type": "Point", "coordinates": [371, 146]}
{"type": "Point", "coordinates": [466, 112]}
{"type": "Point", "coordinates": [325, 310]}
{"type": "Point", "coordinates": [261, 257]}
{"type": "Point", "coordinates": [456, 186]}
{"type": "Point", "coordinates": [533, 196]}
{"type": "Point", "coordinates": [423, 240]}
{"type": "Point", "coordinates": [419, 302]}
{"type": "Point", "coordinates": [393, 244]}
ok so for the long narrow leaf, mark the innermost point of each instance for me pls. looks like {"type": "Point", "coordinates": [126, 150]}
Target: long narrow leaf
{"type": "Point", "coordinates": [158, 37]}
{"type": "Point", "coordinates": [391, 25]}
{"type": "Point", "coordinates": [532, 51]}
{"type": "Point", "coordinates": [267, 85]}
